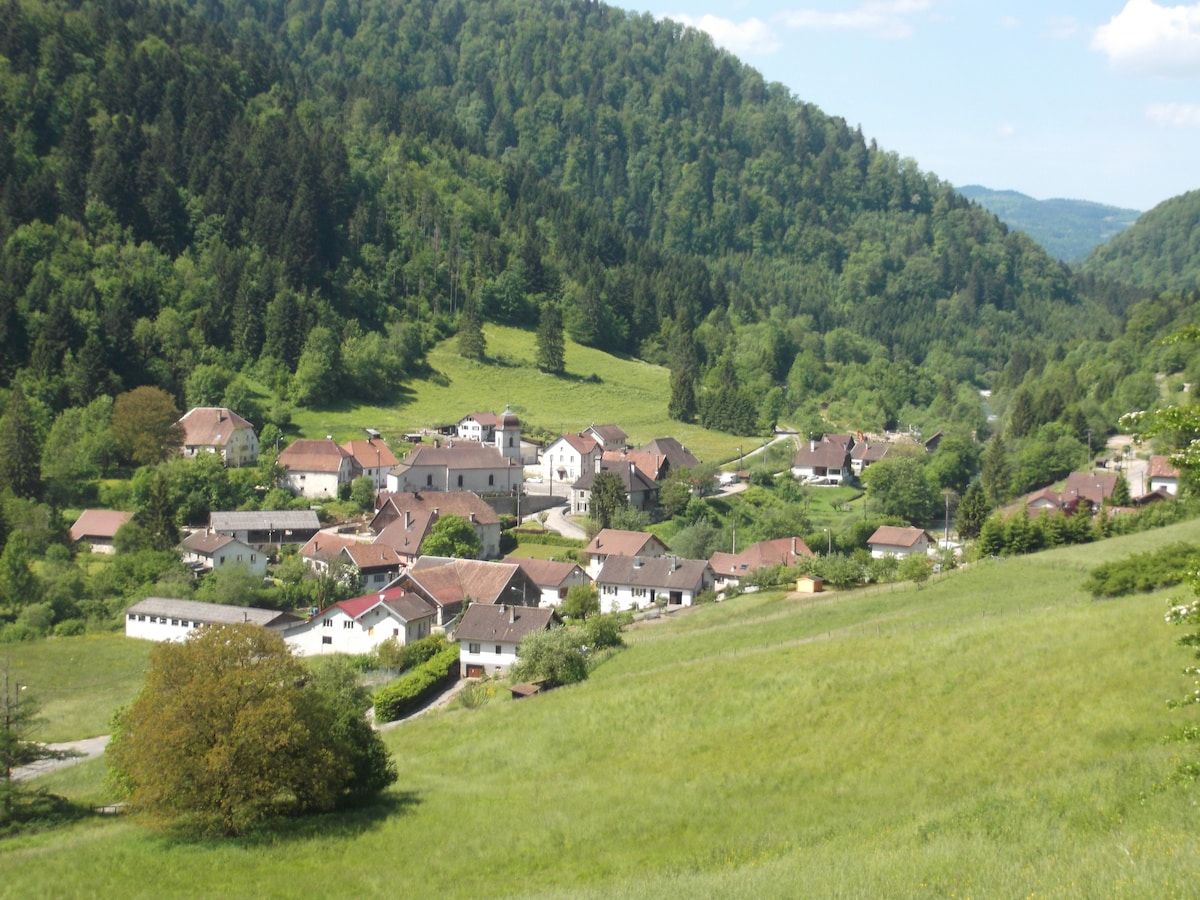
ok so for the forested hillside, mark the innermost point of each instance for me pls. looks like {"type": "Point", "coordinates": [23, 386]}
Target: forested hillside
{"type": "Point", "coordinates": [1068, 229]}
{"type": "Point", "coordinates": [302, 196]}
{"type": "Point", "coordinates": [1160, 252]}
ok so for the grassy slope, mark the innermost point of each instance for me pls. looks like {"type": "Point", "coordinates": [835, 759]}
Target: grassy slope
{"type": "Point", "coordinates": [995, 733]}
{"type": "Point", "coordinates": [630, 393]}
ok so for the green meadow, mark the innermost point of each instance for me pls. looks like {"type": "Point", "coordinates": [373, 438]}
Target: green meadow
{"type": "Point", "coordinates": [995, 733]}
{"type": "Point", "coordinates": [598, 388]}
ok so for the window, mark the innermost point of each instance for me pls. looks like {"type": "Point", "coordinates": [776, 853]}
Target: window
{"type": "Point", "coordinates": [497, 649]}
{"type": "Point", "coordinates": [491, 480]}
{"type": "Point", "coordinates": [429, 480]}
{"type": "Point", "coordinates": [460, 481]}
{"type": "Point", "coordinates": [472, 648]}
{"type": "Point", "coordinates": [328, 623]}
{"type": "Point", "coordinates": [395, 632]}
{"type": "Point", "coordinates": [347, 624]}
{"type": "Point", "coordinates": [327, 639]}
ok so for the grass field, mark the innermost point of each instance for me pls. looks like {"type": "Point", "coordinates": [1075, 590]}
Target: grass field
{"type": "Point", "coordinates": [598, 388]}
{"type": "Point", "coordinates": [995, 733]}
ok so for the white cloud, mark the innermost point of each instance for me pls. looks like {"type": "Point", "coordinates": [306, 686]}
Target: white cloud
{"type": "Point", "coordinates": [886, 18]}
{"type": "Point", "coordinates": [1175, 115]}
{"type": "Point", "coordinates": [1147, 38]}
{"type": "Point", "coordinates": [751, 36]}
{"type": "Point", "coordinates": [1006, 130]}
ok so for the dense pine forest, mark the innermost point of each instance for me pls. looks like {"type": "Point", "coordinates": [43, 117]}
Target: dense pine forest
{"type": "Point", "coordinates": [276, 205]}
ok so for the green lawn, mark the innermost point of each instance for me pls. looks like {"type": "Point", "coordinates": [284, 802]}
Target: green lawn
{"type": "Point", "coordinates": [598, 388]}
{"type": "Point", "coordinates": [995, 733]}
{"type": "Point", "coordinates": [77, 681]}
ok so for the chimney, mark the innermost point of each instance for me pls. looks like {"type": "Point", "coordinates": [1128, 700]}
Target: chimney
{"type": "Point", "coordinates": [812, 445]}
{"type": "Point", "coordinates": [512, 615]}
{"type": "Point", "coordinates": [407, 519]}
{"type": "Point", "coordinates": [794, 551]}
{"type": "Point", "coordinates": [637, 562]}
{"type": "Point", "coordinates": [436, 511]}
{"type": "Point", "coordinates": [674, 563]}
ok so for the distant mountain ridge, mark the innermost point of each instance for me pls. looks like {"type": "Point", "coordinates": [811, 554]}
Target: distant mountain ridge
{"type": "Point", "coordinates": [1068, 229]}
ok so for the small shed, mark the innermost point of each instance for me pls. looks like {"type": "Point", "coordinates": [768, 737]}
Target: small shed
{"type": "Point", "coordinates": [810, 584]}
{"type": "Point", "coordinates": [527, 689]}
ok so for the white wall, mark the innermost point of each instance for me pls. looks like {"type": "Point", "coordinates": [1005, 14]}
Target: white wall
{"type": "Point", "coordinates": [348, 636]}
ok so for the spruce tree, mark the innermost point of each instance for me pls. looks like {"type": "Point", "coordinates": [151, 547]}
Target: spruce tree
{"type": "Point", "coordinates": [20, 448]}
{"type": "Point", "coordinates": [471, 342]}
{"type": "Point", "coordinates": [551, 346]}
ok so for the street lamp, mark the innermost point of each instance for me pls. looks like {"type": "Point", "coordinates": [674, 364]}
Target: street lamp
{"type": "Point", "coordinates": [828, 542]}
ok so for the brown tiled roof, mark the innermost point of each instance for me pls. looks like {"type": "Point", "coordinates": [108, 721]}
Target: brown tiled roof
{"type": "Point", "coordinates": [631, 477]}
{"type": "Point", "coordinates": [679, 456]}
{"type": "Point", "coordinates": [372, 454]}
{"type": "Point", "coordinates": [451, 581]}
{"type": "Point", "coordinates": [582, 443]}
{"type": "Point", "coordinates": [870, 452]}
{"type": "Point", "coordinates": [405, 536]}
{"type": "Point", "coordinates": [613, 541]}
{"type": "Point", "coordinates": [654, 571]}
{"type": "Point", "coordinates": [372, 556]}
{"type": "Point", "coordinates": [545, 572]}
{"type": "Point", "coordinates": [1091, 486]}
{"type": "Point", "coordinates": [651, 465]}
{"type": "Point", "coordinates": [610, 434]}
{"type": "Point", "coordinates": [313, 456]}
{"type": "Point", "coordinates": [779, 552]}
{"type": "Point", "coordinates": [325, 546]}
{"type": "Point", "coordinates": [1160, 467]}
{"type": "Point", "coordinates": [486, 419]}
{"type": "Point", "coordinates": [502, 624]}
{"type": "Point", "coordinates": [98, 523]}
{"type": "Point", "coordinates": [205, 543]}
{"type": "Point", "coordinates": [895, 536]}
{"type": "Point", "coordinates": [821, 454]}
{"type": "Point", "coordinates": [210, 426]}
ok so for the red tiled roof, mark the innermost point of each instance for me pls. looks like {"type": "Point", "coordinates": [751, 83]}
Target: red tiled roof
{"type": "Point", "coordinates": [895, 536]}
{"type": "Point", "coordinates": [313, 456]}
{"type": "Point", "coordinates": [462, 455]}
{"type": "Point", "coordinates": [502, 624]}
{"type": "Point", "coordinates": [545, 572]}
{"type": "Point", "coordinates": [1160, 467]}
{"type": "Point", "coordinates": [779, 552]}
{"type": "Point", "coordinates": [615, 542]}
{"type": "Point", "coordinates": [372, 454]}
{"type": "Point", "coordinates": [98, 523]}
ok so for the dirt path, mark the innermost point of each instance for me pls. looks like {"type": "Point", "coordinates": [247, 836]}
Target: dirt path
{"type": "Point", "coordinates": [90, 748]}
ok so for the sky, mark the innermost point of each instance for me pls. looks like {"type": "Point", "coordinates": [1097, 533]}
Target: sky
{"type": "Point", "coordinates": [1081, 99]}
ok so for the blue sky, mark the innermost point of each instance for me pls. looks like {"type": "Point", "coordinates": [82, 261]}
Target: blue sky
{"type": "Point", "coordinates": [1096, 100]}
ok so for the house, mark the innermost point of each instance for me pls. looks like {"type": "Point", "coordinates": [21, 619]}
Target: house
{"type": "Point", "coordinates": [633, 582]}
{"type": "Point", "coordinates": [97, 527]}
{"type": "Point", "coordinates": [489, 636]}
{"type": "Point", "coordinates": [215, 429]}
{"type": "Point", "coordinates": [865, 452]}
{"type": "Point", "coordinates": [462, 466]}
{"type": "Point", "coordinates": [207, 551]}
{"type": "Point", "coordinates": [640, 491]}
{"type": "Point", "coordinates": [554, 578]}
{"type": "Point", "coordinates": [164, 619]}
{"type": "Point", "coordinates": [653, 466]}
{"type": "Point", "coordinates": [822, 462]}
{"type": "Point", "coordinates": [609, 437]}
{"type": "Point", "coordinates": [569, 457]}
{"type": "Point", "coordinates": [676, 455]}
{"type": "Point", "coordinates": [404, 519]}
{"type": "Point", "coordinates": [448, 583]}
{"type": "Point", "coordinates": [377, 565]}
{"type": "Point", "coordinates": [810, 584]}
{"type": "Point", "coordinates": [374, 458]}
{"type": "Point", "coordinates": [360, 624]}
{"type": "Point", "coordinates": [1092, 488]}
{"type": "Point", "coordinates": [615, 542]}
{"type": "Point", "coordinates": [892, 540]}
{"type": "Point", "coordinates": [267, 528]}
{"type": "Point", "coordinates": [502, 432]}
{"type": "Point", "coordinates": [1163, 476]}
{"type": "Point", "coordinates": [730, 568]}
{"type": "Point", "coordinates": [317, 468]}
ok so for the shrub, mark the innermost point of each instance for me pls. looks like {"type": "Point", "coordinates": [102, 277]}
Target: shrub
{"type": "Point", "coordinates": [1143, 572]}
{"type": "Point", "coordinates": [406, 694]}
{"type": "Point", "coordinates": [391, 655]}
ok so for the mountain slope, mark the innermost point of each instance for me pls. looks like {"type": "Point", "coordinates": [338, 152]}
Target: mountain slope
{"type": "Point", "coordinates": [315, 190]}
{"type": "Point", "coordinates": [1160, 252]}
{"type": "Point", "coordinates": [1068, 229]}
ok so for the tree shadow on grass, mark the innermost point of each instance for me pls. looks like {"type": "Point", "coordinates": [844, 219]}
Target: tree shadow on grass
{"type": "Point", "coordinates": [348, 822]}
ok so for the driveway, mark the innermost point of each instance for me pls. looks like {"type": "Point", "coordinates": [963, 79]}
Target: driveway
{"type": "Point", "coordinates": [89, 748]}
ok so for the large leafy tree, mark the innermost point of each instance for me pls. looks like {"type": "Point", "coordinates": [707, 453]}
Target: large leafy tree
{"type": "Point", "coordinates": [451, 536]}
{"type": "Point", "coordinates": [230, 729]}
{"type": "Point", "coordinates": [903, 487]}
{"type": "Point", "coordinates": [608, 496]}
{"type": "Point", "coordinates": [144, 425]}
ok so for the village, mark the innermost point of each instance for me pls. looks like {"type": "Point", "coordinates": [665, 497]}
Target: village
{"type": "Point", "coordinates": [479, 470]}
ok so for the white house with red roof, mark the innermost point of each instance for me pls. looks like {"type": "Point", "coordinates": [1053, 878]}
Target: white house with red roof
{"type": "Point", "coordinates": [374, 457]}
{"type": "Point", "coordinates": [206, 551]}
{"type": "Point", "coordinates": [503, 431]}
{"type": "Point", "coordinates": [97, 527]}
{"type": "Point", "coordinates": [730, 568]}
{"type": "Point", "coordinates": [1163, 475]}
{"type": "Point", "coordinates": [553, 577]}
{"type": "Point", "coordinates": [315, 468]}
{"type": "Point", "coordinates": [567, 458]}
{"type": "Point", "coordinates": [892, 540]}
{"type": "Point", "coordinates": [616, 542]}
{"type": "Point", "coordinates": [215, 429]}
{"type": "Point", "coordinates": [360, 624]}
{"type": "Point", "coordinates": [825, 462]}
{"type": "Point", "coordinates": [489, 636]}
{"type": "Point", "coordinates": [609, 437]}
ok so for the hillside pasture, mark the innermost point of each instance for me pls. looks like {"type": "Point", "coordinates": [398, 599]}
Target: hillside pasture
{"type": "Point", "coordinates": [598, 388]}
{"type": "Point", "coordinates": [994, 733]}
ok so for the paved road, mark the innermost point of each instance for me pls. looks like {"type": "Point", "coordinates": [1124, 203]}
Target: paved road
{"type": "Point", "coordinates": [86, 749]}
